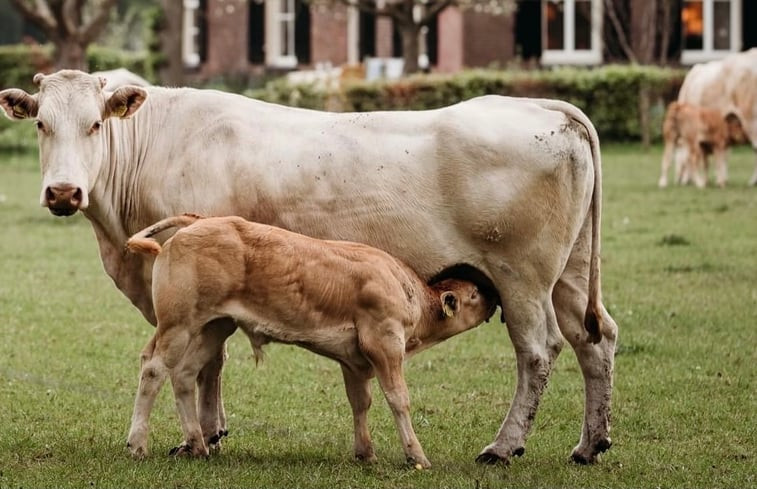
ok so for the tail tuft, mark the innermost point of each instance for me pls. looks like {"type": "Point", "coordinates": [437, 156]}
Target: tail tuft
{"type": "Point", "coordinates": [593, 325]}
{"type": "Point", "coordinates": [143, 245]}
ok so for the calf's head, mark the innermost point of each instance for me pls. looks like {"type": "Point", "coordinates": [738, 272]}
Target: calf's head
{"type": "Point", "coordinates": [463, 305]}
{"type": "Point", "coordinates": [69, 111]}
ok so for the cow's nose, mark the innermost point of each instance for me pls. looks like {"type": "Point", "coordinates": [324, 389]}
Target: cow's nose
{"type": "Point", "coordinates": [63, 199]}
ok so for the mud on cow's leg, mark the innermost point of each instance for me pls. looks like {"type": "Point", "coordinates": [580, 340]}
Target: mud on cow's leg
{"type": "Point", "coordinates": [596, 359]}
{"type": "Point", "coordinates": [533, 330]}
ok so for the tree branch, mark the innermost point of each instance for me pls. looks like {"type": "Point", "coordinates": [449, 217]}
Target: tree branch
{"type": "Point", "coordinates": [40, 15]}
{"type": "Point", "coordinates": [434, 9]}
{"type": "Point", "coordinates": [70, 15]}
{"type": "Point", "coordinates": [622, 39]}
{"type": "Point", "coordinates": [89, 31]}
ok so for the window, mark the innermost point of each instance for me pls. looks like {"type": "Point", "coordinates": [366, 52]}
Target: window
{"type": "Point", "coordinates": [193, 42]}
{"type": "Point", "coordinates": [711, 29]}
{"type": "Point", "coordinates": [572, 31]}
{"type": "Point", "coordinates": [280, 46]}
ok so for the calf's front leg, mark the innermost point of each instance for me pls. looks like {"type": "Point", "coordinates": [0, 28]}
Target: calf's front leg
{"type": "Point", "coordinates": [386, 354]}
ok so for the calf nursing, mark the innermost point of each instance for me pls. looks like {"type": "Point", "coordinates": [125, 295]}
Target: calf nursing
{"type": "Point", "coordinates": [346, 301]}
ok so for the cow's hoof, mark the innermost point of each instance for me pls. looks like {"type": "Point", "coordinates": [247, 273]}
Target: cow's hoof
{"type": "Point", "coordinates": [490, 458]}
{"type": "Point", "coordinates": [418, 462]}
{"type": "Point", "coordinates": [181, 450]}
{"type": "Point", "coordinates": [214, 442]}
{"type": "Point", "coordinates": [366, 458]}
{"type": "Point", "coordinates": [589, 458]}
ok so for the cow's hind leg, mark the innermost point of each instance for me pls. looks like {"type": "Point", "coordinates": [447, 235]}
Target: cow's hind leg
{"type": "Point", "coordinates": [210, 400]}
{"type": "Point", "coordinates": [358, 387]}
{"type": "Point", "coordinates": [532, 327]}
{"type": "Point", "coordinates": [570, 297]}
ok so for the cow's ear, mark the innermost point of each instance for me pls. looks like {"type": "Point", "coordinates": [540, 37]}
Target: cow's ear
{"type": "Point", "coordinates": [450, 304]}
{"type": "Point", "coordinates": [124, 102]}
{"type": "Point", "coordinates": [18, 104]}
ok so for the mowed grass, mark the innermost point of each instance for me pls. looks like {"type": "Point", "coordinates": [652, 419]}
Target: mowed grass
{"type": "Point", "coordinates": [680, 278]}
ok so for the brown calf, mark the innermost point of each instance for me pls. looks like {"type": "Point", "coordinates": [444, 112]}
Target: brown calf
{"type": "Point", "coordinates": [693, 133]}
{"type": "Point", "coordinates": [346, 301]}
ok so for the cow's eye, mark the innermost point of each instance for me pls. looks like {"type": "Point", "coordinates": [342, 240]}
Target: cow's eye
{"type": "Point", "coordinates": [95, 127]}
{"type": "Point", "coordinates": [40, 125]}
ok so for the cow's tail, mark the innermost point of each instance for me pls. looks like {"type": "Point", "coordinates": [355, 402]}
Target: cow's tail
{"type": "Point", "coordinates": [143, 241]}
{"type": "Point", "coordinates": [593, 316]}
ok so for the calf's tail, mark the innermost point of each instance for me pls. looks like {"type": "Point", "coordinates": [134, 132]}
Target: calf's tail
{"type": "Point", "coordinates": [143, 241]}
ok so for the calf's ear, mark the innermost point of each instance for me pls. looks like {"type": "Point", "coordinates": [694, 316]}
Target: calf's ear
{"type": "Point", "coordinates": [17, 104]}
{"type": "Point", "coordinates": [450, 304]}
{"type": "Point", "coordinates": [124, 102]}
{"type": "Point", "coordinates": [736, 133]}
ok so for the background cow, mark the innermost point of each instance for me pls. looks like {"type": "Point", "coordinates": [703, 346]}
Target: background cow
{"type": "Point", "coordinates": [728, 85]}
{"type": "Point", "coordinates": [692, 134]}
{"type": "Point", "coordinates": [346, 301]}
{"type": "Point", "coordinates": [504, 192]}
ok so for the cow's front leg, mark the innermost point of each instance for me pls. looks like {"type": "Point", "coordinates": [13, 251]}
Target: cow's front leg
{"type": "Point", "coordinates": [210, 401]}
{"type": "Point", "coordinates": [358, 387]}
{"type": "Point", "coordinates": [532, 327]}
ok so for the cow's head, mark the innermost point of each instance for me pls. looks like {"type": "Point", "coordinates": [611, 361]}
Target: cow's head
{"type": "Point", "coordinates": [69, 111]}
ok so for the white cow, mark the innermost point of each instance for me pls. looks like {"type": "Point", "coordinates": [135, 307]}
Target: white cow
{"type": "Point", "coordinates": [505, 192]}
{"type": "Point", "coordinates": [730, 86]}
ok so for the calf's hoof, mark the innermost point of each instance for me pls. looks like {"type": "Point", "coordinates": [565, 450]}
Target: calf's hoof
{"type": "Point", "coordinates": [138, 452]}
{"type": "Point", "coordinates": [591, 456]}
{"type": "Point", "coordinates": [214, 442]}
{"type": "Point", "coordinates": [366, 458]}
{"type": "Point", "coordinates": [418, 462]}
{"type": "Point", "coordinates": [187, 450]}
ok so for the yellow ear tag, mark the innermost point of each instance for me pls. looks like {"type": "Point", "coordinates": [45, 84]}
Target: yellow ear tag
{"type": "Point", "coordinates": [19, 112]}
{"type": "Point", "coordinates": [121, 111]}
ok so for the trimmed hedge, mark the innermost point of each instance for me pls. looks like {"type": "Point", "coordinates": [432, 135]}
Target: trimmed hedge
{"type": "Point", "coordinates": [20, 62]}
{"type": "Point", "coordinates": [611, 95]}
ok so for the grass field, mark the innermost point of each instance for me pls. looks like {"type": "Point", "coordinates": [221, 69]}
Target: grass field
{"type": "Point", "coordinates": [680, 278]}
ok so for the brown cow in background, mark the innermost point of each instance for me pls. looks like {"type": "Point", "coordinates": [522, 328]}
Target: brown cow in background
{"type": "Point", "coordinates": [692, 134]}
{"type": "Point", "coordinates": [728, 85]}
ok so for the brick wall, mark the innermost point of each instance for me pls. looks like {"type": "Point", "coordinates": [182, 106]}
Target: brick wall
{"type": "Point", "coordinates": [227, 22]}
{"type": "Point", "coordinates": [328, 34]}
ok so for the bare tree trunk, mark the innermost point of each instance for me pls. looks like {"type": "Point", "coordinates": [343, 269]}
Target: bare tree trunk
{"type": "Point", "coordinates": [666, 28]}
{"type": "Point", "coordinates": [70, 55]}
{"type": "Point", "coordinates": [172, 70]}
{"type": "Point", "coordinates": [410, 47]}
{"type": "Point", "coordinates": [643, 30]}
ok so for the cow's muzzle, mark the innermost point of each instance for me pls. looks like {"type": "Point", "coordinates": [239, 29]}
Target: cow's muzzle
{"type": "Point", "coordinates": [63, 199]}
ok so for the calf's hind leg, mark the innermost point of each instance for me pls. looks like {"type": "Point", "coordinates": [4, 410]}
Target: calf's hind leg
{"type": "Point", "coordinates": [210, 401]}
{"type": "Point", "coordinates": [358, 387]}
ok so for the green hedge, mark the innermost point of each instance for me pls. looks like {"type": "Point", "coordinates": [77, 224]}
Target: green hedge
{"type": "Point", "coordinates": [20, 62]}
{"type": "Point", "coordinates": [610, 95]}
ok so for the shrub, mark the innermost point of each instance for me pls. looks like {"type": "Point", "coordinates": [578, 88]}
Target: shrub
{"type": "Point", "coordinates": [609, 95]}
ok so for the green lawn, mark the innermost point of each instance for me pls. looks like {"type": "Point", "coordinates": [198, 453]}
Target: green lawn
{"type": "Point", "coordinates": [679, 276]}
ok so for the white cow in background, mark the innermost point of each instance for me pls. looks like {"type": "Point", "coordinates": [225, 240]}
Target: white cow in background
{"type": "Point", "coordinates": [504, 192]}
{"type": "Point", "coordinates": [730, 86]}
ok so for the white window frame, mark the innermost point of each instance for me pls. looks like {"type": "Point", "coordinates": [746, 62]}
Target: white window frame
{"type": "Point", "coordinates": [274, 20]}
{"type": "Point", "coordinates": [569, 55]}
{"type": "Point", "coordinates": [190, 55]}
{"type": "Point", "coordinates": [708, 52]}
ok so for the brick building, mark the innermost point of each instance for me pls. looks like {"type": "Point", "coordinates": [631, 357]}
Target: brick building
{"type": "Point", "coordinates": [239, 36]}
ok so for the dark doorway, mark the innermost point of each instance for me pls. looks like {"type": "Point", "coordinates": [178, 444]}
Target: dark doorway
{"type": "Point", "coordinates": [748, 27]}
{"type": "Point", "coordinates": [302, 32]}
{"type": "Point", "coordinates": [528, 30]}
{"type": "Point", "coordinates": [367, 42]}
{"type": "Point", "coordinates": [255, 54]}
